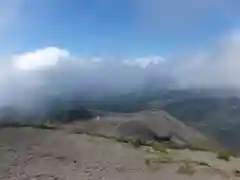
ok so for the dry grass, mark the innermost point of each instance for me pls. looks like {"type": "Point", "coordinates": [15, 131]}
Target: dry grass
{"type": "Point", "coordinates": [155, 163]}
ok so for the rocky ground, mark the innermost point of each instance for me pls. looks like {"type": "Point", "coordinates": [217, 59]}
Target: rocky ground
{"type": "Point", "coordinates": [146, 125]}
{"type": "Point", "coordinates": [37, 154]}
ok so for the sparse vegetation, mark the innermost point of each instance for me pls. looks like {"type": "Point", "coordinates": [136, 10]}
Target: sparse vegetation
{"type": "Point", "coordinates": [159, 147]}
{"type": "Point", "coordinates": [152, 163]}
{"type": "Point", "coordinates": [39, 125]}
{"type": "Point", "coordinates": [186, 169]}
{"type": "Point", "coordinates": [165, 160]}
{"type": "Point", "coordinates": [236, 172]}
{"type": "Point", "coordinates": [135, 142]}
{"type": "Point", "coordinates": [155, 162]}
{"type": "Point", "coordinates": [204, 145]}
{"type": "Point", "coordinates": [224, 155]}
{"type": "Point", "coordinates": [45, 125]}
{"type": "Point", "coordinates": [121, 140]}
{"type": "Point", "coordinates": [203, 164]}
{"type": "Point", "coordinates": [147, 162]}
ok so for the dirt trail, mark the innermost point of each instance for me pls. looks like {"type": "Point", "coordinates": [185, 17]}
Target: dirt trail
{"type": "Point", "coordinates": [34, 154]}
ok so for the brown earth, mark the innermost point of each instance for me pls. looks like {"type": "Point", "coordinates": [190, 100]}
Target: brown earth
{"type": "Point", "coordinates": [36, 154]}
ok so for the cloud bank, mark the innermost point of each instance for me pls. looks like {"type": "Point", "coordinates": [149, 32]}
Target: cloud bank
{"type": "Point", "coordinates": [144, 62]}
{"type": "Point", "coordinates": [33, 76]}
{"type": "Point", "coordinates": [219, 67]}
{"type": "Point", "coordinates": [39, 59]}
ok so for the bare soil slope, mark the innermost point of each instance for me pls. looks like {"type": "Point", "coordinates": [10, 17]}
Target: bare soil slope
{"type": "Point", "coordinates": [35, 154]}
{"type": "Point", "coordinates": [146, 125]}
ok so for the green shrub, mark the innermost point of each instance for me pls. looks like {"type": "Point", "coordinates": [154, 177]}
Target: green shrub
{"type": "Point", "coordinates": [224, 155]}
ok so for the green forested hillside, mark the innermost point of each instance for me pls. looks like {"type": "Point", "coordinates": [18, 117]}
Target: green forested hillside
{"type": "Point", "coordinates": [218, 117]}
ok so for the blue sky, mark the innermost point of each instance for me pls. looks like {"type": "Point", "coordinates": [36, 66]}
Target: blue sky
{"type": "Point", "coordinates": [126, 28]}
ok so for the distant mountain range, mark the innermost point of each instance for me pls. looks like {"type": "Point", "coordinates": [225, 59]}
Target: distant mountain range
{"type": "Point", "coordinates": [215, 112]}
{"type": "Point", "coordinates": [217, 117]}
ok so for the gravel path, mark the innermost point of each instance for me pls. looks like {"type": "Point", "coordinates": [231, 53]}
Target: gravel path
{"type": "Point", "coordinates": [34, 154]}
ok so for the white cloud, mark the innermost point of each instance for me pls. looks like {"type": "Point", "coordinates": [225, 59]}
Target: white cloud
{"type": "Point", "coordinates": [96, 60]}
{"type": "Point", "coordinates": [219, 67]}
{"type": "Point", "coordinates": [144, 62]}
{"type": "Point", "coordinates": [39, 59]}
{"type": "Point", "coordinates": [50, 57]}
